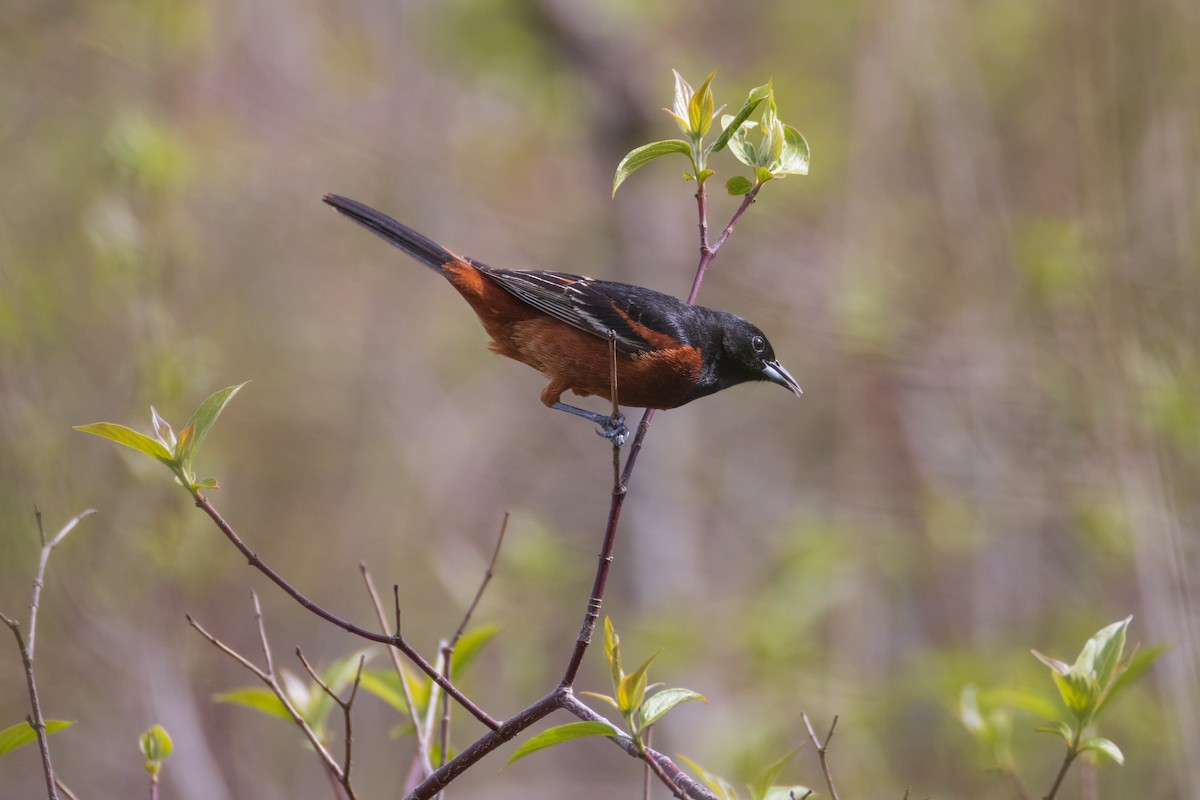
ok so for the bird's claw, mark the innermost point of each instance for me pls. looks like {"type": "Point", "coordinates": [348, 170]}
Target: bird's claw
{"type": "Point", "coordinates": [613, 429]}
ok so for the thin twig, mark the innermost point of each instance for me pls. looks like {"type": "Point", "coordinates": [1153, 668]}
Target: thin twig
{"type": "Point", "coordinates": [27, 646]}
{"type": "Point", "coordinates": [655, 769]}
{"type": "Point", "coordinates": [677, 779]}
{"type": "Point", "coordinates": [422, 738]}
{"type": "Point", "coordinates": [262, 633]}
{"type": "Point", "coordinates": [1062, 772]}
{"type": "Point", "coordinates": [328, 761]}
{"type": "Point", "coordinates": [434, 701]}
{"type": "Point", "coordinates": [822, 748]}
{"type": "Point", "coordinates": [40, 580]}
{"type": "Point", "coordinates": [447, 648]}
{"type": "Point", "coordinates": [396, 640]}
{"type": "Point", "coordinates": [707, 251]}
{"type": "Point", "coordinates": [616, 408]}
{"type": "Point", "coordinates": [647, 774]}
{"type": "Point", "coordinates": [345, 705]}
{"type": "Point", "coordinates": [487, 578]}
{"type": "Point", "coordinates": [62, 787]}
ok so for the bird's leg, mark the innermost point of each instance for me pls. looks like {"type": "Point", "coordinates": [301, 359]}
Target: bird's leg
{"type": "Point", "coordinates": [611, 428]}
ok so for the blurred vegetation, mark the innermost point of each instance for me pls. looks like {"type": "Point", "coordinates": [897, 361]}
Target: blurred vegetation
{"type": "Point", "coordinates": [987, 287]}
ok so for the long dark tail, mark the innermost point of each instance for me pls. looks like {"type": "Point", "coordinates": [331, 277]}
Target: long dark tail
{"type": "Point", "coordinates": [416, 245]}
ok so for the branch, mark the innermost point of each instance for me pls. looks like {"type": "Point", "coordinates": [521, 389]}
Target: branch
{"type": "Point", "coordinates": [676, 779]}
{"type": "Point", "coordinates": [620, 486]}
{"type": "Point", "coordinates": [448, 647]}
{"type": "Point", "coordinates": [707, 251]}
{"type": "Point", "coordinates": [396, 640]}
{"type": "Point", "coordinates": [346, 706]}
{"type": "Point", "coordinates": [418, 731]}
{"type": "Point", "coordinates": [822, 748]}
{"type": "Point", "coordinates": [26, 648]}
{"type": "Point", "coordinates": [1072, 753]}
{"type": "Point", "coordinates": [267, 676]}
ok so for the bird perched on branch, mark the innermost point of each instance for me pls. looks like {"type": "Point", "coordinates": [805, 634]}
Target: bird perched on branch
{"type": "Point", "coordinates": [668, 352]}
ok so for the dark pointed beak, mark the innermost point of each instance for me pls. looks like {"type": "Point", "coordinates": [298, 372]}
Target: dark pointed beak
{"type": "Point", "coordinates": [774, 372]}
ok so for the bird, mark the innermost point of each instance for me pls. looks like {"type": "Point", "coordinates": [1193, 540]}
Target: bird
{"type": "Point", "coordinates": [668, 352]}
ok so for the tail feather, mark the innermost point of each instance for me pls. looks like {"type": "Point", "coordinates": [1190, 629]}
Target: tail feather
{"type": "Point", "coordinates": [415, 244]}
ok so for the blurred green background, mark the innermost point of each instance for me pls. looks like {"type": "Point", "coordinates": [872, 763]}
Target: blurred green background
{"type": "Point", "coordinates": [987, 286]}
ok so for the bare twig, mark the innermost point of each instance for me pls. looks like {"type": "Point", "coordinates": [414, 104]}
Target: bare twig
{"type": "Point", "coordinates": [268, 677]}
{"type": "Point", "coordinates": [616, 407]}
{"type": "Point", "coordinates": [1069, 759]}
{"type": "Point", "coordinates": [707, 251]}
{"type": "Point", "coordinates": [676, 779]}
{"type": "Point", "coordinates": [396, 640]}
{"type": "Point", "coordinates": [27, 646]}
{"type": "Point", "coordinates": [447, 648]}
{"type": "Point", "coordinates": [822, 749]}
{"type": "Point", "coordinates": [62, 787]}
{"type": "Point", "coordinates": [420, 734]}
{"type": "Point", "coordinates": [483, 584]}
{"type": "Point", "coordinates": [346, 706]}
{"type": "Point", "coordinates": [647, 774]}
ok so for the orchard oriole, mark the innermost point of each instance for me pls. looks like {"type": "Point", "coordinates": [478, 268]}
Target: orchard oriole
{"type": "Point", "coordinates": [668, 352]}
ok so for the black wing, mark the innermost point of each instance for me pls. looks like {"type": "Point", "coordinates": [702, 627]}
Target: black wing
{"type": "Point", "coordinates": [642, 319]}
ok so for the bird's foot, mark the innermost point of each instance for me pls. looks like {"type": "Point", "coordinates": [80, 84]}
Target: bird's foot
{"type": "Point", "coordinates": [611, 428]}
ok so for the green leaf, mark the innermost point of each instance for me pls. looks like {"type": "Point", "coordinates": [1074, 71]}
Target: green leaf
{"type": "Point", "coordinates": [659, 703]}
{"type": "Point", "coordinates": [738, 185]}
{"type": "Point", "coordinates": [1036, 704]}
{"type": "Point", "coordinates": [612, 653]}
{"type": "Point", "coordinates": [765, 780]}
{"type": "Point", "coordinates": [1139, 664]}
{"type": "Point", "coordinates": [763, 174]}
{"type": "Point", "coordinates": [969, 713]}
{"type": "Point", "coordinates": [203, 420]}
{"type": "Point", "coordinates": [795, 157]}
{"type": "Point", "coordinates": [255, 697]}
{"type": "Point", "coordinates": [773, 132]}
{"type": "Point", "coordinates": [632, 690]}
{"type": "Point", "coordinates": [1061, 667]}
{"type": "Point", "coordinates": [1108, 645]}
{"type": "Point", "coordinates": [385, 684]}
{"type": "Point", "coordinates": [722, 788]}
{"type": "Point", "coordinates": [1061, 729]}
{"type": "Point", "coordinates": [641, 156]}
{"type": "Point", "coordinates": [603, 697]}
{"type": "Point", "coordinates": [22, 733]}
{"type": "Point", "coordinates": [207, 483]}
{"type": "Point", "coordinates": [130, 438]}
{"type": "Point", "coordinates": [563, 733]}
{"type": "Point", "coordinates": [731, 124]}
{"type": "Point", "coordinates": [156, 746]}
{"type": "Point", "coordinates": [1079, 692]}
{"type": "Point", "coordinates": [470, 644]}
{"type": "Point", "coordinates": [739, 141]}
{"type": "Point", "coordinates": [700, 108]}
{"type": "Point", "coordinates": [683, 97]}
{"type": "Point", "coordinates": [1104, 747]}
{"type": "Point", "coordinates": [162, 429]}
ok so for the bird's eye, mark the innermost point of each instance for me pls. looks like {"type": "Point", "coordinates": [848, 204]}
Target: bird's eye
{"type": "Point", "coordinates": [758, 343]}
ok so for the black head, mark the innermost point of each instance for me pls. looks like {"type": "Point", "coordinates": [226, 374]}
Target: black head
{"type": "Point", "coordinates": [739, 352]}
